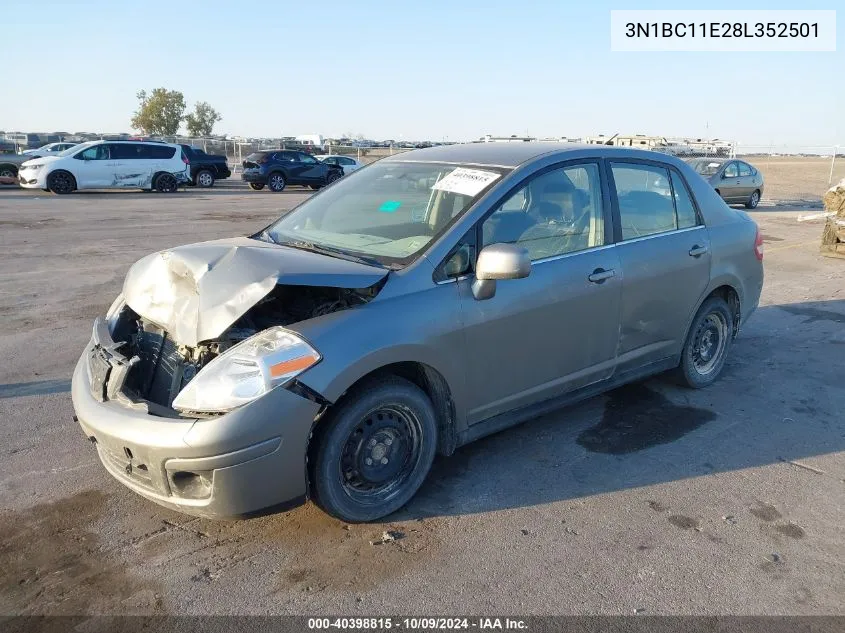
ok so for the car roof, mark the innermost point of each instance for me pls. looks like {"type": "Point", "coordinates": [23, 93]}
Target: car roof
{"type": "Point", "coordinates": [513, 154]}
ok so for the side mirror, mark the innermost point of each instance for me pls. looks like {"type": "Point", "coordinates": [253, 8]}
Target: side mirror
{"type": "Point", "coordinates": [499, 261]}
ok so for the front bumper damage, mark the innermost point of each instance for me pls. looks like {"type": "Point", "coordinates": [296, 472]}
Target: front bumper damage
{"type": "Point", "coordinates": [248, 460]}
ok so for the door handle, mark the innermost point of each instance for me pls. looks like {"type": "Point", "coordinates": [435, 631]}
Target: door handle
{"type": "Point", "coordinates": [599, 275]}
{"type": "Point", "coordinates": [698, 251]}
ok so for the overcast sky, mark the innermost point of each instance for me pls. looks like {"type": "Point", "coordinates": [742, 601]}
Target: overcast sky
{"type": "Point", "coordinates": [424, 70]}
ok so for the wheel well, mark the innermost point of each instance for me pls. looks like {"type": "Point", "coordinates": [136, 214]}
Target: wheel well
{"type": "Point", "coordinates": [731, 297]}
{"type": "Point", "coordinates": [62, 171]}
{"type": "Point", "coordinates": [11, 166]}
{"type": "Point", "coordinates": [434, 385]}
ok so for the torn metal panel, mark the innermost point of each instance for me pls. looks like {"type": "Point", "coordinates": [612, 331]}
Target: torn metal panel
{"type": "Point", "coordinates": [196, 292]}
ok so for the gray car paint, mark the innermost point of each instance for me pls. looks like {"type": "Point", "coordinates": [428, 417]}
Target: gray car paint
{"type": "Point", "coordinates": [197, 291]}
{"type": "Point", "coordinates": [734, 189]}
{"type": "Point", "coordinates": [549, 336]}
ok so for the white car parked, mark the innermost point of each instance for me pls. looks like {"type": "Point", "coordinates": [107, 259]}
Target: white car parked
{"type": "Point", "coordinates": [50, 149]}
{"type": "Point", "coordinates": [108, 165]}
{"type": "Point", "coordinates": [345, 162]}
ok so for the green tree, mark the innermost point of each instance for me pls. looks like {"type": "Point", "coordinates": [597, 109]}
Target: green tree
{"type": "Point", "coordinates": [201, 121]}
{"type": "Point", "coordinates": [160, 112]}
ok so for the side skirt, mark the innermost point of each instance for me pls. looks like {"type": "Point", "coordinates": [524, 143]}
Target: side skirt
{"type": "Point", "coordinates": [517, 416]}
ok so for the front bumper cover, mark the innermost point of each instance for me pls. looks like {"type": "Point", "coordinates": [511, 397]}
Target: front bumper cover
{"type": "Point", "coordinates": [243, 462]}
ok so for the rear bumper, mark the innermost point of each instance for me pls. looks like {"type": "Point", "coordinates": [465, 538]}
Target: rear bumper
{"type": "Point", "coordinates": [254, 177]}
{"type": "Point", "coordinates": [246, 461]}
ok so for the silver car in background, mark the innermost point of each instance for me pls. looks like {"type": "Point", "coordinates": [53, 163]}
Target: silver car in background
{"type": "Point", "coordinates": [734, 180]}
{"type": "Point", "coordinates": [422, 302]}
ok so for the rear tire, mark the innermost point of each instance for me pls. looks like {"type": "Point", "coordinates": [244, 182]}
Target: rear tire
{"type": "Point", "coordinates": [276, 182]}
{"type": "Point", "coordinates": [204, 179]}
{"type": "Point", "coordinates": [256, 186]}
{"type": "Point", "coordinates": [373, 452]}
{"type": "Point", "coordinates": [61, 182]}
{"type": "Point", "coordinates": [753, 201]}
{"type": "Point", "coordinates": [332, 177]}
{"type": "Point", "coordinates": [166, 183]}
{"type": "Point", "coordinates": [708, 342]}
{"type": "Point", "coordinates": [7, 171]}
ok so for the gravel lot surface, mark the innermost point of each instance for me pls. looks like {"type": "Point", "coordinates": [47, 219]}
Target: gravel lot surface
{"type": "Point", "coordinates": [651, 499]}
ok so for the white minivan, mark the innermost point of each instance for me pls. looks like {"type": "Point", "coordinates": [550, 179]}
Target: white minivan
{"type": "Point", "coordinates": [108, 165]}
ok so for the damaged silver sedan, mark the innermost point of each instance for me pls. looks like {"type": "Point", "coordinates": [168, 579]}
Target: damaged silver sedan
{"type": "Point", "coordinates": [422, 302]}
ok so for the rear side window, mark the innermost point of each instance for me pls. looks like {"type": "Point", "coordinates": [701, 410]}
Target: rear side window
{"type": "Point", "coordinates": [156, 152]}
{"type": "Point", "coordinates": [645, 200]}
{"type": "Point", "coordinates": [287, 157]}
{"type": "Point", "coordinates": [683, 202]}
{"type": "Point", "coordinates": [744, 169]}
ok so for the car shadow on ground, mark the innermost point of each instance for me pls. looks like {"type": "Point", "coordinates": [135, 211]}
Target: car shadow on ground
{"type": "Point", "coordinates": [779, 399]}
{"type": "Point", "coordinates": [35, 388]}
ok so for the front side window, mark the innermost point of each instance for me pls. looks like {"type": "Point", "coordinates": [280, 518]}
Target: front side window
{"type": "Point", "coordinates": [388, 213]}
{"type": "Point", "coordinates": [731, 171]}
{"type": "Point", "coordinates": [97, 152]}
{"type": "Point", "coordinates": [306, 158]}
{"type": "Point", "coordinates": [285, 157]}
{"type": "Point", "coordinates": [555, 213]}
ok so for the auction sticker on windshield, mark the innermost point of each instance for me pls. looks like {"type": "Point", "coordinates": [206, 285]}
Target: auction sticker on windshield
{"type": "Point", "coordinates": [468, 182]}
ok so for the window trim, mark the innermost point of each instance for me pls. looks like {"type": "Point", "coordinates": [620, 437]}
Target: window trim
{"type": "Point", "coordinates": [607, 214]}
{"type": "Point", "coordinates": [617, 214]}
{"type": "Point", "coordinates": [724, 172]}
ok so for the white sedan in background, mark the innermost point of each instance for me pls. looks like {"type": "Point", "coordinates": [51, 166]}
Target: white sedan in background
{"type": "Point", "coordinates": [51, 149]}
{"type": "Point", "coordinates": [345, 162]}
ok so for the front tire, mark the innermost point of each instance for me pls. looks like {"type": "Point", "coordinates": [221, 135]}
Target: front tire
{"type": "Point", "coordinates": [204, 179]}
{"type": "Point", "coordinates": [61, 183]}
{"type": "Point", "coordinates": [276, 182]}
{"type": "Point", "coordinates": [166, 183]}
{"type": "Point", "coordinates": [373, 452]}
{"type": "Point", "coordinates": [256, 186]}
{"type": "Point", "coordinates": [707, 345]}
{"type": "Point", "coordinates": [753, 201]}
{"type": "Point", "coordinates": [8, 172]}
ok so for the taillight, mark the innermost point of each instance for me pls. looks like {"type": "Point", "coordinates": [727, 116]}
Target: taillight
{"type": "Point", "coordinates": [758, 245]}
{"type": "Point", "coordinates": [185, 159]}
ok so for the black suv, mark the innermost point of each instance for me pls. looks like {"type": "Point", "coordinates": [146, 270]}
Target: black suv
{"type": "Point", "coordinates": [278, 168]}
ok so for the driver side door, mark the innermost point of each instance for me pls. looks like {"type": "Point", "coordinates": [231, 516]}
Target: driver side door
{"type": "Point", "coordinates": [310, 170]}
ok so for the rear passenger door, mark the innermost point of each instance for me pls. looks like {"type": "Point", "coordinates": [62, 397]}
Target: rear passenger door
{"type": "Point", "coordinates": [130, 170]}
{"type": "Point", "coordinates": [664, 250]}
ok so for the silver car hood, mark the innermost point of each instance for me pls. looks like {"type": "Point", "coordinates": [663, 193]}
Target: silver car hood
{"type": "Point", "coordinates": [197, 291]}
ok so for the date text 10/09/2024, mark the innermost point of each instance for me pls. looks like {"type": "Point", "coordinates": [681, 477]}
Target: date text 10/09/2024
{"type": "Point", "coordinates": [721, 29]}
{"type": "Point", "coordinates": [417, 623]}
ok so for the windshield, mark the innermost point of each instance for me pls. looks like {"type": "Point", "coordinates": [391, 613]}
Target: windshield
{"type": "Point", "coordinates": [706, 167]}
{"type": "Point", "coordinates": [72, 150]}
{"type": "Point", "coordinates": [386, 213]}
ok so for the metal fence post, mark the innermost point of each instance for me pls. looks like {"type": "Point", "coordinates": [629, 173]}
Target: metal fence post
{"type": "Point", "coordinates": [832, 163]}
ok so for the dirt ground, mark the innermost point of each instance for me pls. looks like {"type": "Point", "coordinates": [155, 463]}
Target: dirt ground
{"type": "Point", "coordinates": [651, 499]}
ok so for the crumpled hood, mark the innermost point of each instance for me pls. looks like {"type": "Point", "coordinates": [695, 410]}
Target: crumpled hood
{"type": "Point", "coordinates": [196, 292]}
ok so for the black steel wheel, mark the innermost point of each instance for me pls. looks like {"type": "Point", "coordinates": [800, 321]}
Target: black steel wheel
{"type": "Point", "coordinates": [256, 186]}
{"type": "Point", "coordinates": [8, 172]}
{"type": "Point", "coordinates": [372, 454]}
{"type": "Point", "coordinates": [707, 344]}
{"type": "Point", "coordinates": [166, 183]}
{"type": "Point", "coordinates": [61, 182]}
